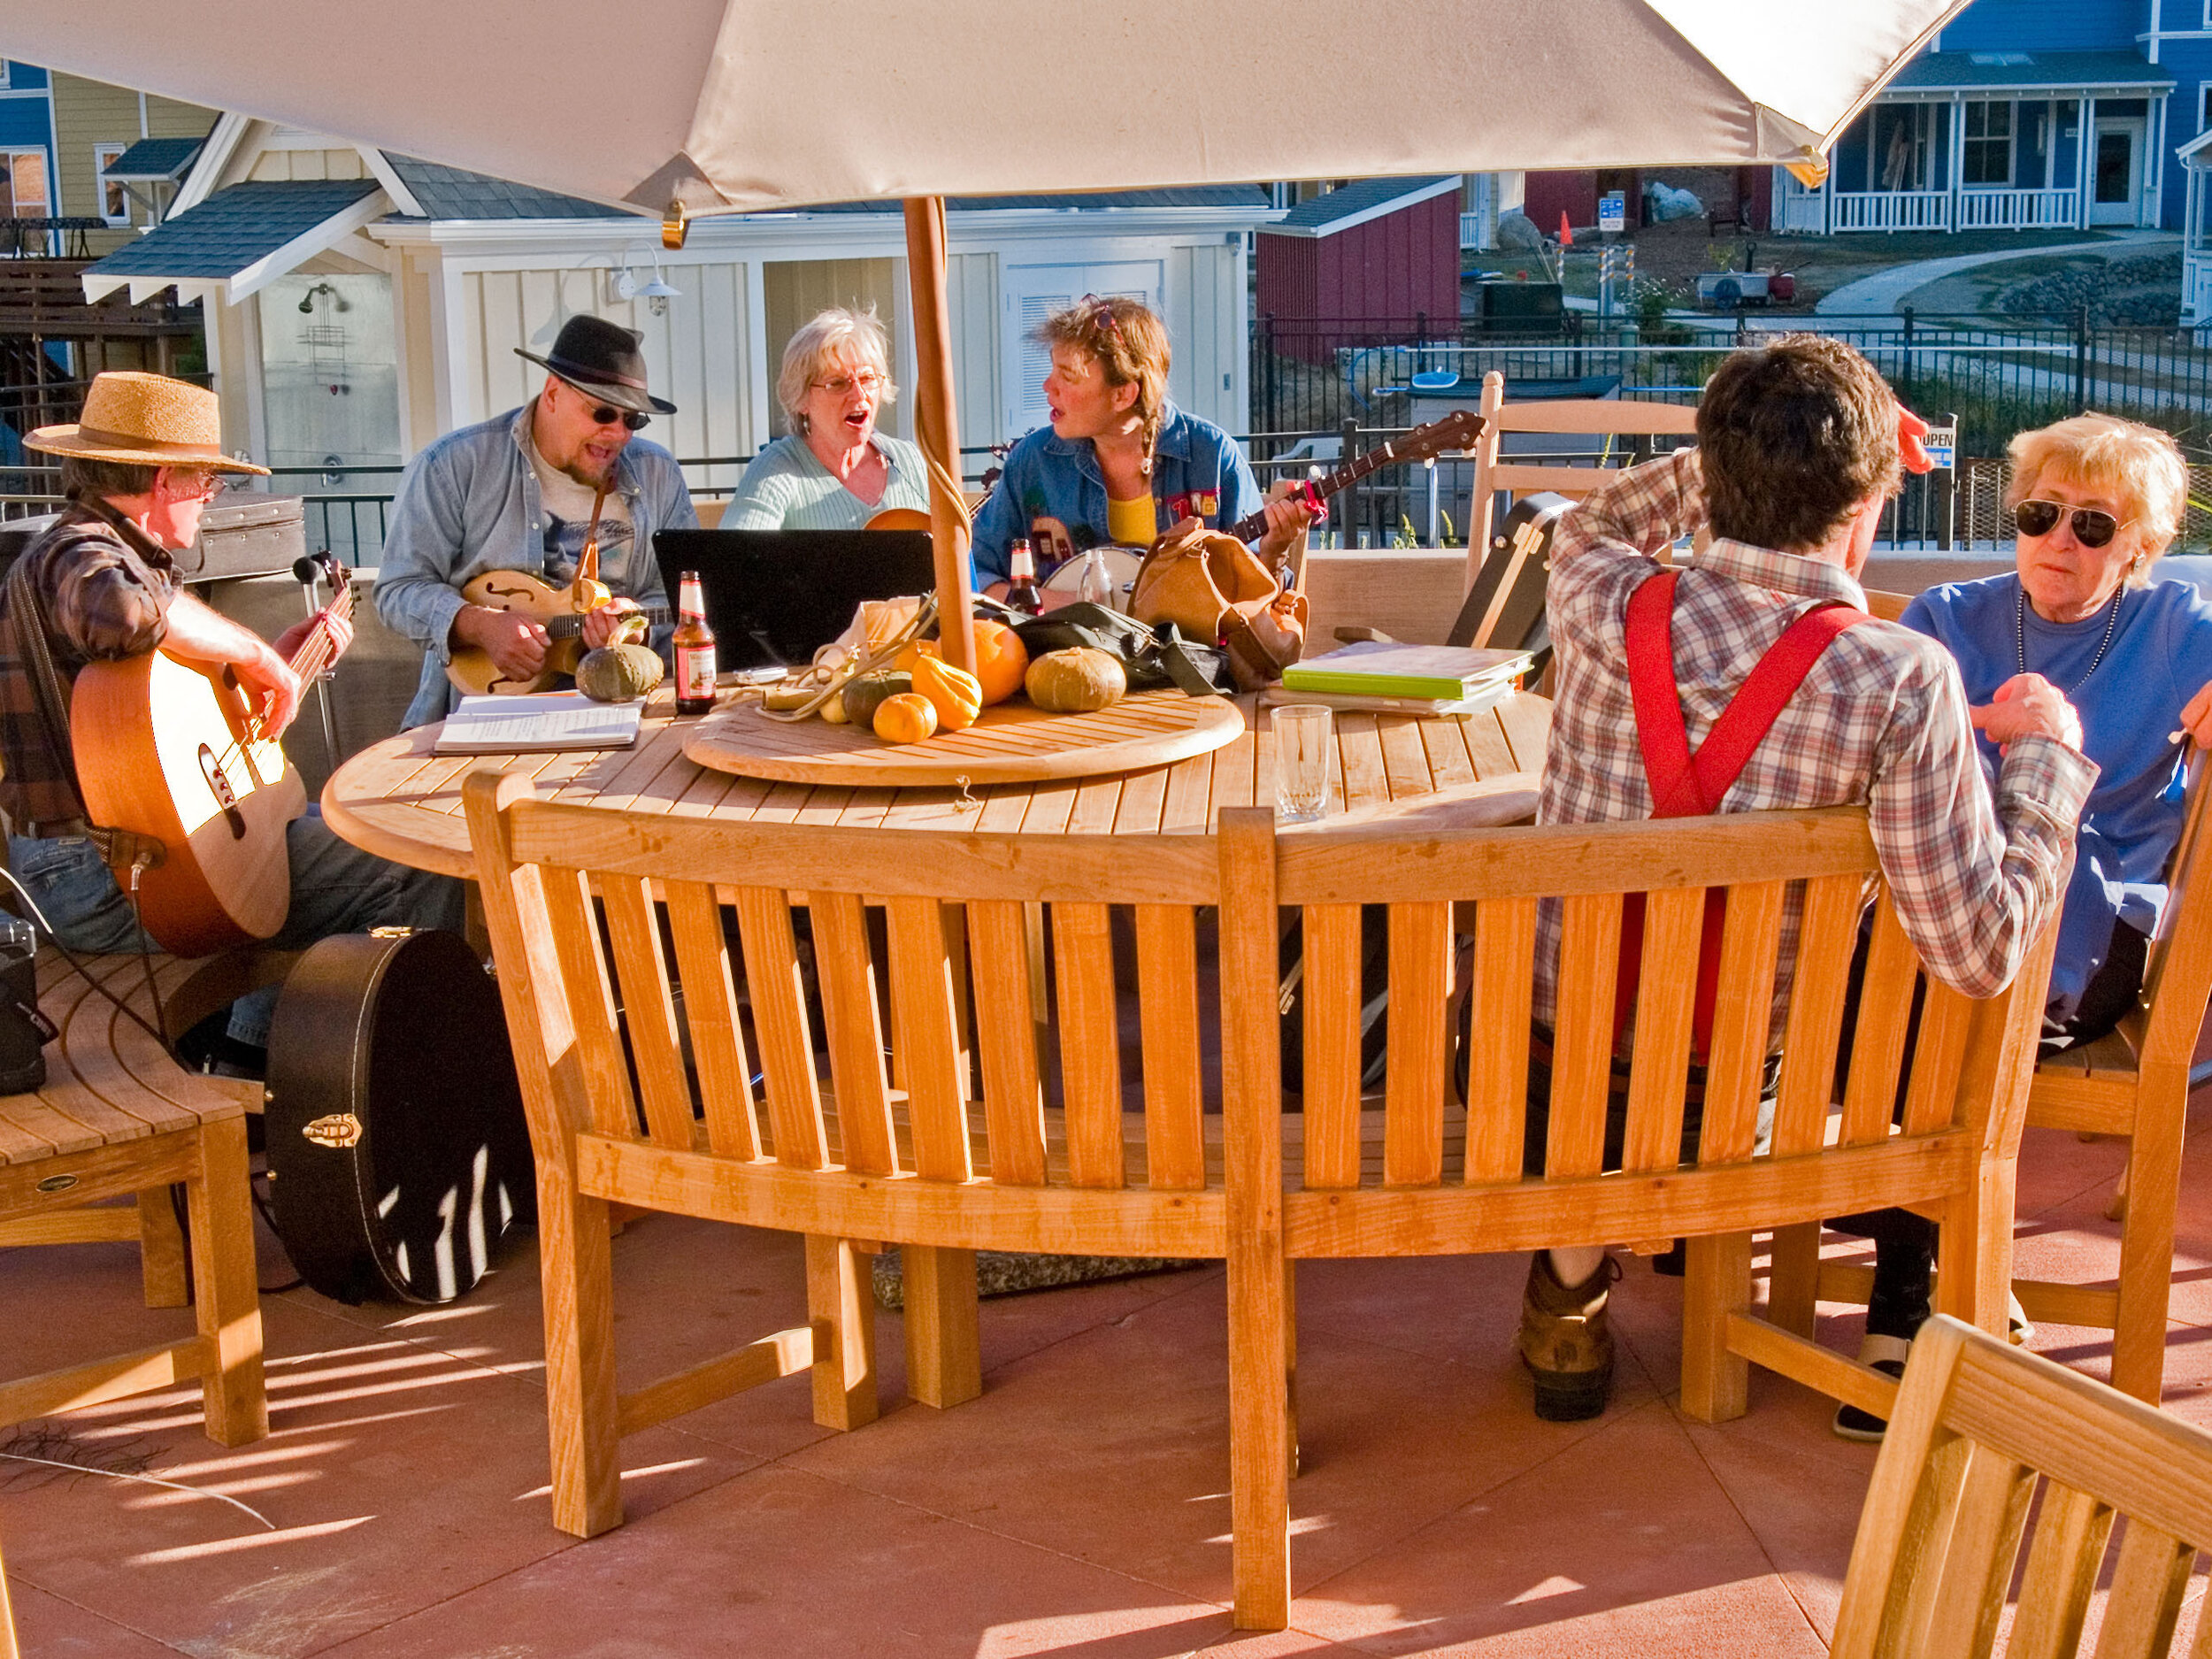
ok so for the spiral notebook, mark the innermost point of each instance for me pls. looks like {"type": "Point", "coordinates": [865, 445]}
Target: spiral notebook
{"type": "Point", "coordinates": [538, 724]}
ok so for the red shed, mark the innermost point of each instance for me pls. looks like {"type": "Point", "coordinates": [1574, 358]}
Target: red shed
{"type": "Point", "coordinates": [1360, 263]}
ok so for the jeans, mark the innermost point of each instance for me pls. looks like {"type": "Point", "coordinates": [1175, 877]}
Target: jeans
{"type": "Point", "coordinates": [336, 888]}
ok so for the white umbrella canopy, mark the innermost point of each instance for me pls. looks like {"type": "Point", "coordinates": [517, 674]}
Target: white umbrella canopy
{"type": "Point", "coordinates": [731, 105]}
{"type": "Point", "coordinates": [691, 107]}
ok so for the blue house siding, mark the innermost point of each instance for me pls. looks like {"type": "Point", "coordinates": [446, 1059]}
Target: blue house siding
{"type": "Point", "coordinates": [26, 120]}
{"type": "Point", "coordinates": [2054, 25]}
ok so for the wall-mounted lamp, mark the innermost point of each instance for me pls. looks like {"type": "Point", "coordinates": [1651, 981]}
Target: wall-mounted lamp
{"type": "Point", "coordinates": [656, 294]}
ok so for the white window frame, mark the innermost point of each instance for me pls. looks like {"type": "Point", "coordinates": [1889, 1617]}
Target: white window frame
{"type": "Point", "coordinates": [102, 154]}
{"type": "Point", "coordinates": [2011, 137]}
{"type": "Point", "coordinates": [5, 65]}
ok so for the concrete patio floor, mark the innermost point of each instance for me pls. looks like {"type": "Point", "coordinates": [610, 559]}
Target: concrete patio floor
{"type": "Point", "coordinates": [1078, 1508]}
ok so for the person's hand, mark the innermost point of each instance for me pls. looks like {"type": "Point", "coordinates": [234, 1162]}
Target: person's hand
{"type": "Point", "coordinates": [2028, 706]}
{"type": "Point", "coordinates": [272, 690]}
{"type": "Point", "coordinates": [515, 645]}
{"type": "Point", "coordinates": [1287, 519]}
{"type": "Point", "coordinates": [2196, 718]}
{"type": "Point", "coordinates": [1910, 430]}
{"type": "Point", "coordinates": [604, 623]}
{"type": "Point", "coordinates": [287, 643]}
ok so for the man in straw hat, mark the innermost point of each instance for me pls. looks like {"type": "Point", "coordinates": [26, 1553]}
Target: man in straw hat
{"type": "Point", "coordinates": [518, 492]}
{"type": "Point", "coordinates": [101, 585]}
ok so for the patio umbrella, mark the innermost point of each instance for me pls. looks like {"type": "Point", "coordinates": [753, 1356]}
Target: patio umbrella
{"type": "Point", "coordinates": [690, 107]}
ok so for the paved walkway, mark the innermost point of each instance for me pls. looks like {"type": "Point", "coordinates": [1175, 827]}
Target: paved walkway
{"type": "Point", "coordinates": [1079, 1509]}
{"type": "Point", "coordinates": [1887, 291]}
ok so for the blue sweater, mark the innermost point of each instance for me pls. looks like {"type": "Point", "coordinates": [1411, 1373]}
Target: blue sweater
{"type": "Point", "coordinates": [2160, 654]}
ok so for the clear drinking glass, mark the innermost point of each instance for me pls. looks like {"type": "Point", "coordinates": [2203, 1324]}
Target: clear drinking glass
{"type": "Point", "coordinates": [1302, 731]}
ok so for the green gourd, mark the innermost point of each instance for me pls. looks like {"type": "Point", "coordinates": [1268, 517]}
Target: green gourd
{"type": "Point", "coordinates": [618, 673]}
{"type": "Point", "coordinates": [864, 696]}
{"type": "Point", "coordinates": [1076, 681]}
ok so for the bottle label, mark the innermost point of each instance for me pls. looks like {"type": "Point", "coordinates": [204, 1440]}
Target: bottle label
{"type": "Point", "coordinates": [1021, 564]}
{"type": "Point", "coordinates": [695, 672]}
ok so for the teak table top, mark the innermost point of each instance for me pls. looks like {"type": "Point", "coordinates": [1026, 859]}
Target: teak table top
{"type": "Point", "coordinates": [397, 799]}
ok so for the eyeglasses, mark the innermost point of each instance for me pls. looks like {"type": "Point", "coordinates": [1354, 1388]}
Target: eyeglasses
{"type": "Point", "coordinates": [867, 381]}
{"type": "Point", "coordinates": [608, 415]}
{"type": "Point", "coordinates": [1104, 320]}
{"type": "Point", "coordinates": [2094, 528]}
{"type": "Point", "coordinates": [206, 488]}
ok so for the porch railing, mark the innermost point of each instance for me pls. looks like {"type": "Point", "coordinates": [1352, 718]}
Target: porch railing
{"type": "Point", "coordinates": [1889, 209]}
{"type": "Point", "coordinates": [1804, 212]}
{"type": "Point", "coordinates": [2017, 210]}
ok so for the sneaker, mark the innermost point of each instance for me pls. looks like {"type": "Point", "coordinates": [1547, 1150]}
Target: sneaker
{"type": "Point", "coordinates": [1565, 1342]}
{"type": "Point", "coordinates": [1887, 1354]}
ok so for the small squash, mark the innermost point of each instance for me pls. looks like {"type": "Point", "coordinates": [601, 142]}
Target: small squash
{"type": "Point", "coordinates": [864, 695]}
{"type": "Point", "coordinates": [618, 673]}
{"type": "Point", "coordinates": [907, 718]}
{"type": "Point", "coordinates": [1080, 680]}
{"type": "Point", "coordinates": [952, 692]}
{"type": "Point", "coordinates": [832, 710]}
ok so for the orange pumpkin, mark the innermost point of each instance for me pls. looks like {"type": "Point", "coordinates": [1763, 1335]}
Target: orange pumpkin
{"type": "Point", "coordinates": [1000, 660]}
{"type": "Point", "coordinates": [952, 691]}
{"type": "Point", "coordinates": [908, 718]}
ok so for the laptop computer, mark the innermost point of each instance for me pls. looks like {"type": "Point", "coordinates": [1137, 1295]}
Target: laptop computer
{"type": "Point", "coordinates": [779, 595]}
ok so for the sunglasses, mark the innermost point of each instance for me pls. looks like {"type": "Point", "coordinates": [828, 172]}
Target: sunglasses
{"type": "Point", "coordinates": [2094, 528]}
{"type": "Point", "coordinates": [844, 384]}
{"type": "Point", "coordinates": [206, 488]}
{"type": "Point", "coordinates": [607, 414]}
{"type": "Point", "coordinates": [1104, 320]}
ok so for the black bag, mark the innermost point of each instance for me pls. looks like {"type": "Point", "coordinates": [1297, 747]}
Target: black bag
{"type": "Point", "coordinates": [1151, 656]}
{"type": "Point", "coordinates": [399, 1156]}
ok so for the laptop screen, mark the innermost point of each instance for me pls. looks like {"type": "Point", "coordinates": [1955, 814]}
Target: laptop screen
{"type": "Point", "coordinates": [781, 596]}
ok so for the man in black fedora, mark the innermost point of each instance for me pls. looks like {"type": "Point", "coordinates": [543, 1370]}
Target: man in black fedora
{"type": "Point", "coordinates": [517, 492]}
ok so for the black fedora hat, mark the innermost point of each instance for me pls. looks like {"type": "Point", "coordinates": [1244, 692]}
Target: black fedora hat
{"type": "Point", "coordinates": [602, 359]}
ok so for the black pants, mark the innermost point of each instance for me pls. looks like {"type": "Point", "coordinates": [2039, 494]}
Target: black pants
{"type": "Point", "coordinates": [1905, 1242]}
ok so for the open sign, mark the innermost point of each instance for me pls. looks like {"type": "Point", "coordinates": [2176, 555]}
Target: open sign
{"type": "Point", "coordinates": [1941, 444]}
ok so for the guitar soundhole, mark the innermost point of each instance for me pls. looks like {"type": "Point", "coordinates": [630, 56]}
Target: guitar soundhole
{"type": "Point", "coordinates": [225, 797]}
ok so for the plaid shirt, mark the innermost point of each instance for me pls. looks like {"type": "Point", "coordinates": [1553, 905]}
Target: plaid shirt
{"type": "Point", "coordinates": [106, 590]}
{"type": "Point", "coordinates": [1880, 722]}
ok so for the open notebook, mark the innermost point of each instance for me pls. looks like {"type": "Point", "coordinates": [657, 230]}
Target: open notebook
{"type": "Point", "coordinates": [534, 723]}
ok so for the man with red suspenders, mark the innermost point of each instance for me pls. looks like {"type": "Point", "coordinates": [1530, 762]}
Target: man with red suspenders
{"type": "Point", "coordinates": [1753, 680]}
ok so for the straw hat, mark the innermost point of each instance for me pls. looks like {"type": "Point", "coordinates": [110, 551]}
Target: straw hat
{"type": "Point", "coordinates": [147, 419]}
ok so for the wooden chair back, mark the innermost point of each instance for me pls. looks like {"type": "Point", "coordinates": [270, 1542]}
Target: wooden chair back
{"type": "Point", "coordinates": [1497, 475]}
{"type": "Point", "coordinates": [1985, 1436]}
{"type": "Point", "coordinates": [1421, 1175]}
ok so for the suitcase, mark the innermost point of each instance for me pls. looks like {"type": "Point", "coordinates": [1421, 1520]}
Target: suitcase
{"type": "Point", "coordinates": [399, 1157]}
{"type": "Point", "coordinates": [246, 533]}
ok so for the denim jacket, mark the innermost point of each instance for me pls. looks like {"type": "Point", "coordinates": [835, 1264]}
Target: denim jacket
{"type": "Point", "coordinates": [469, 504]}
{"type": "Point", "coordinates": [1197, 472]}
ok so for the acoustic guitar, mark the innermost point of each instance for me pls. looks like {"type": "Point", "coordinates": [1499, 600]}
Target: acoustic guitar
{"type": "Point", "coordinates": [175, 753]}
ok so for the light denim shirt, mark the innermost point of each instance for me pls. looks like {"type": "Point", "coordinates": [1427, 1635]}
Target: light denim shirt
{"type": "Point", "coordinates": [469, 504]}
{"type": "Point", "coordinates": [1053, 483]}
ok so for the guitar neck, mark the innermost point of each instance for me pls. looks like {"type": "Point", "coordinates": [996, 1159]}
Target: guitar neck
{"type": "Point", "coordinates": [316, 653]}
{"type": "Point", "coordinates": [1389, 454]}
{"type": "Point", "coordinates": [569, 624]}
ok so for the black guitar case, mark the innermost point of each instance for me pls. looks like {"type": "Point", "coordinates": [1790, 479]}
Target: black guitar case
{"type": "Point", "coordinates": [399, 1157]}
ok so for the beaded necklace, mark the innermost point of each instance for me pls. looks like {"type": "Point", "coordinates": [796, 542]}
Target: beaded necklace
{"type": "Point", "coordinates": [2020, 636]}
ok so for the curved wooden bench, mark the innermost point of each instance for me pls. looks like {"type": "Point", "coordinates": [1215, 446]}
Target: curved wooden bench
{"type": "Point", "coordinates": [118, 1118]}
{"type": "Point", "coordinates": [1002, 1149]}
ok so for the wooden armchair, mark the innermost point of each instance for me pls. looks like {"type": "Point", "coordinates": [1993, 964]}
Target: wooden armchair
{"type": "Point", "coordinates": [119, 1117]}
{"type": "Point", "coordinates": [1423, 1177]}
{"type": "Point", "coordinates": [938, 1172]}
{"type": "Point", "coordinates": [1497, 473]}
{"type": "Point", "coordinates": [1981, 1430]}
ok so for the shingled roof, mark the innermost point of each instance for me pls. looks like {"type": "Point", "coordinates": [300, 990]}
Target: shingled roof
{"type": "Point", "coordinates": [154, 161]}
{"type": "Point", "coordinates": [454, 192]}
{"type": "Point", "coordinates": [233, 228]}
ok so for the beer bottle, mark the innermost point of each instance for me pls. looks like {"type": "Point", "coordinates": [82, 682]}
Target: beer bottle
{"type": "Point", "coordinates": [1021, 581]}
{"type": "Point", "coordinates": [694, 649]}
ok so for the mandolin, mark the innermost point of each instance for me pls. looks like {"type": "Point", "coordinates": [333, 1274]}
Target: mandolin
{"type": "Point", "coordinates": [553, 609]}
{"type": "Point", "coordinates": [175, 753]}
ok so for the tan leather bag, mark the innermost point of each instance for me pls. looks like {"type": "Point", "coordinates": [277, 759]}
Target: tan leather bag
{"type": "Point", "coordinates": [1213, 587]}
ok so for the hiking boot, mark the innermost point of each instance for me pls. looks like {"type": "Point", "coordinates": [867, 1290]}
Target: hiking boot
{"type": "Point", "coordinates": [1565, 1342]}
{"type": "Point", "coordinates": [1887, 1354]}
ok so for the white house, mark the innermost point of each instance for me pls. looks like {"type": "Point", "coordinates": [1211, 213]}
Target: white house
{"type": "Point", "coordinates": [359, 302]}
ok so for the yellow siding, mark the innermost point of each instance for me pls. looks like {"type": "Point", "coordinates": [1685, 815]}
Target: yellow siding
{"type": "Point", "coordinates": [88, 114]}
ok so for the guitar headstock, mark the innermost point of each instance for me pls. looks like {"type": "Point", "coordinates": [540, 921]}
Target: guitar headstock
{"type": "Point", "coordinates": [1458, 430]}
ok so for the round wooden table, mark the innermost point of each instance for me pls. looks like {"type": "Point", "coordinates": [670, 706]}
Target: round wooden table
{"type": "Point", "coordinates": [399, 799]}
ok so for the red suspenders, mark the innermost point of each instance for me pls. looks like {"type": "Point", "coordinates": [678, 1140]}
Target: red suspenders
{"type": "Point", "coordinates": [1689, 786]}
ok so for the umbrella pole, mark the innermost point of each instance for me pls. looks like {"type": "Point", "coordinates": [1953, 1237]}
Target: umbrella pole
{"type": "Point", "coordinates": [934, 427]}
